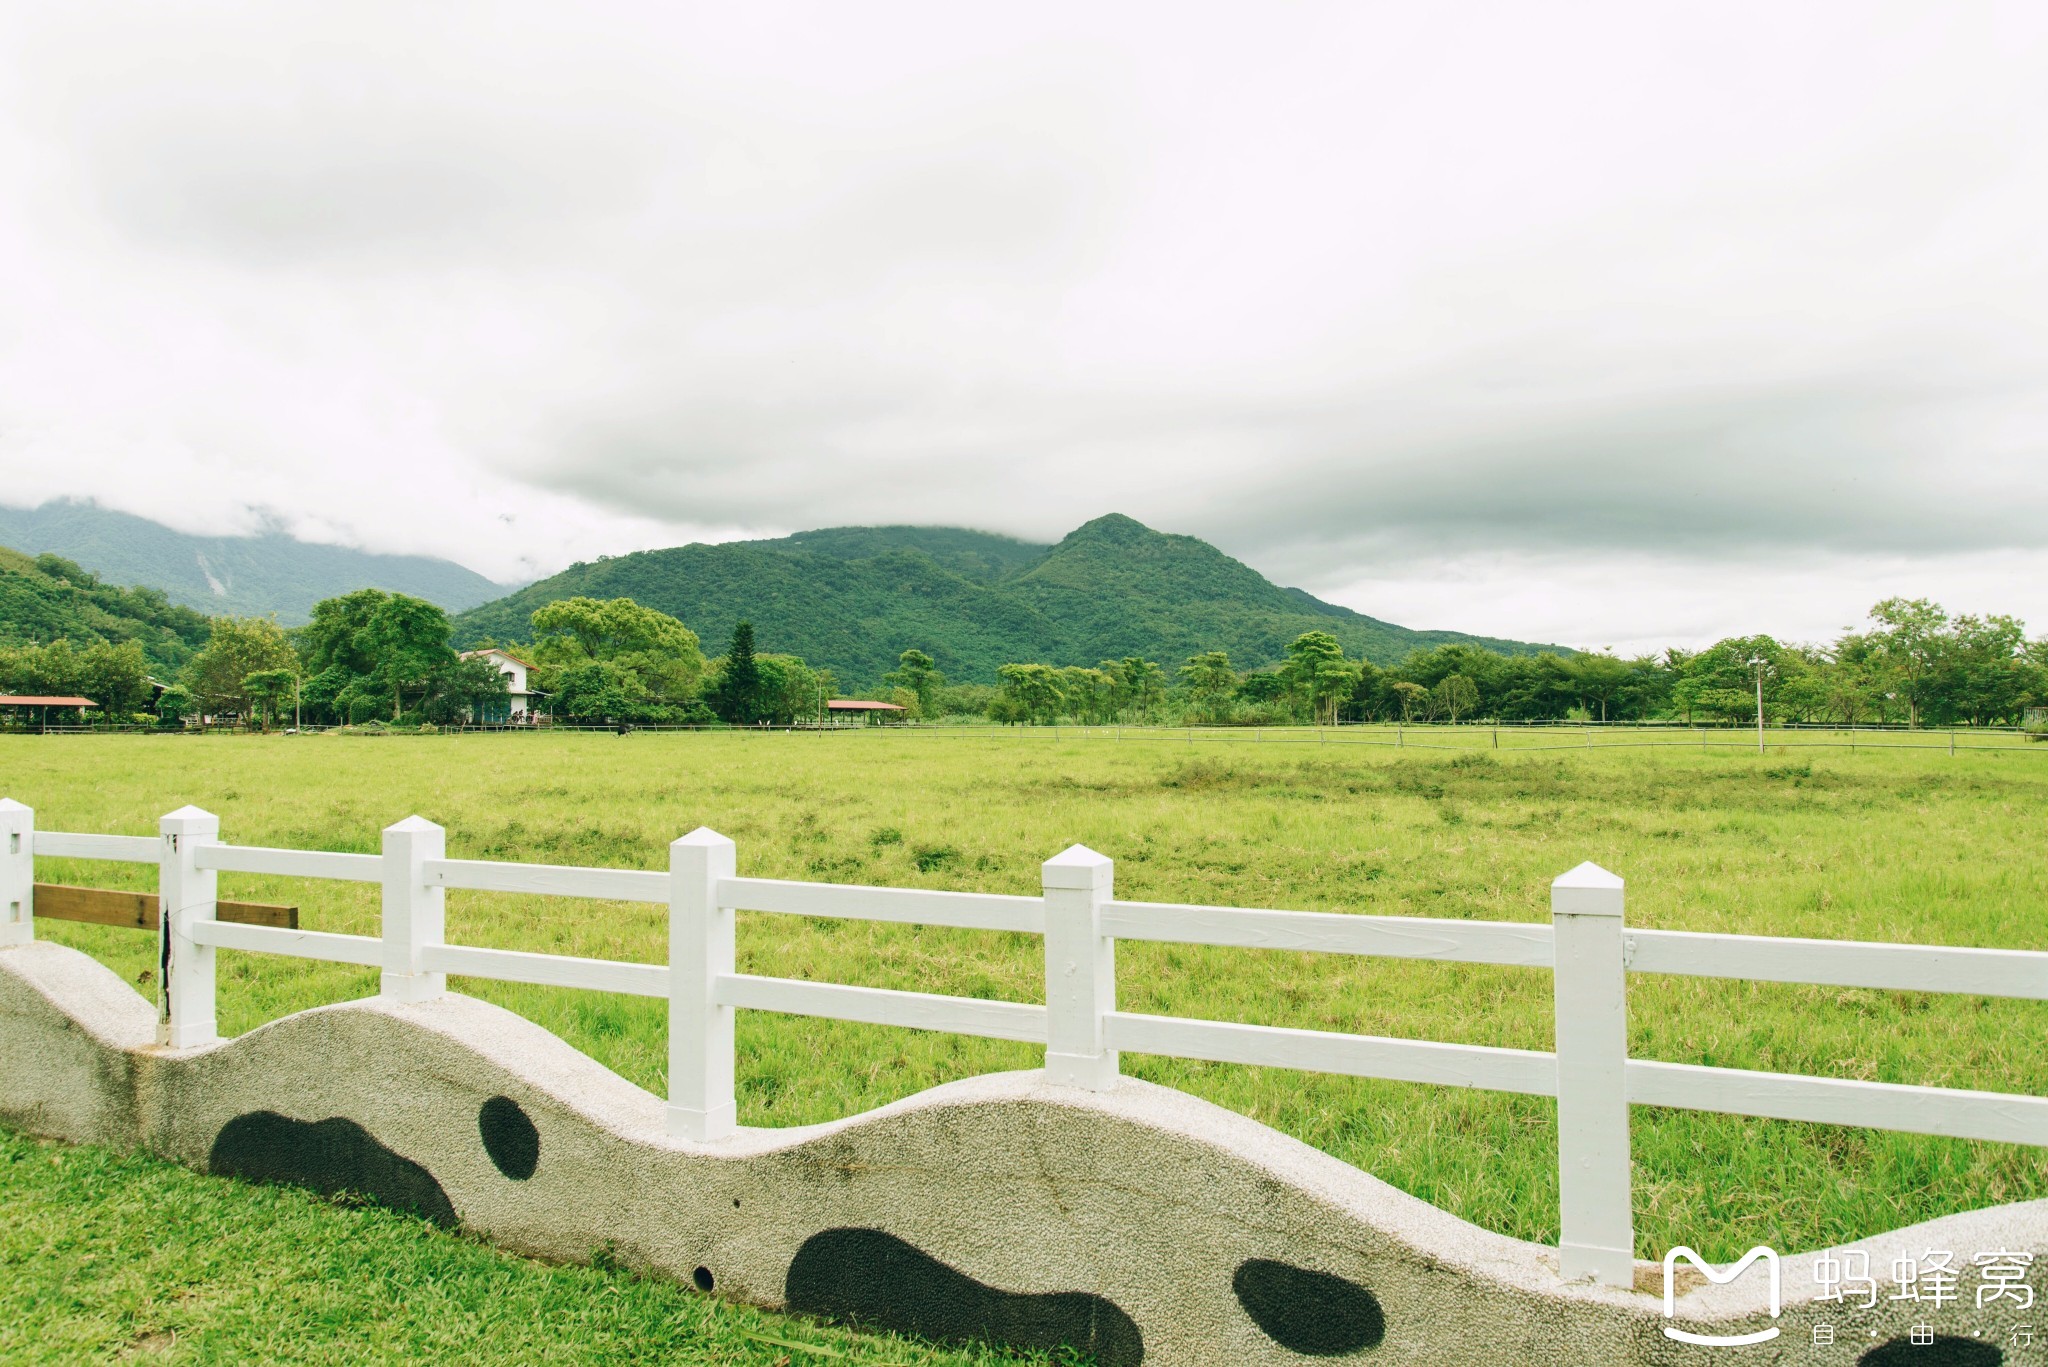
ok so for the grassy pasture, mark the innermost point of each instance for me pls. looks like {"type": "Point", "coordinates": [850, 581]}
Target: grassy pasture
{"type": "Point", "coordinates": [1875, 844]}
{"type": "Point", "coordinates": [118, 1258]}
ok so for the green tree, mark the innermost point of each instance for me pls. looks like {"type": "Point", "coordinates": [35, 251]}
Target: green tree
{"type": "Point", "coordinates": [1212, 680]}
{"type": "Point", "coordinates": [1370, 697]}
{"type": "Point", "coordinates": [1031, 693]}
{"type": "Point", "coordinates": [1141, 684]}
{"type": "Point", "coordinates": [1909, 647]}
{"type": "Point", "coordinates": [267, 690]}
{"type": "Point", "coordinates": [1849, 681]}
{"type": "Point", "coordinates": [338, 636]}
{"type": "Point", "coordinates": [459, 688]}
{"type": "Point", "coordinates": [964, 700]}
{"type": "Point", "coordinates": [1412, 698]}
{"type": "Point", "coordinates": [1319, 674]}
{"type": "Point", "coordinates": [1599, 680]}
{"type": "Point", "coordinates": [408, 638]}
{"type": "Point", "coordinates": [654, 662]}
{"type": "Point", "coordinates": [916, 672]}
{"type": "Point", "coordinates": [1983, 676]}
{"type": "Point", "coordinates": [595, 690]}
{"type": "Point", "coordinates": [326, 696]}
{"type": "Point", "coordinates": [792, 688]}
{"type": "Point", "coordinates": [1090, 694]}
{"type": "Point", "coordinates": [114, 676]}
{"type": "Point", "coordinates": [236, 648]}
{"type": "Point", "coordinates": [665, 656]}
{"type": "Point", "coordinates": [370, 652]}
{"type": "Point", "coordinates": [1721, 682]}
{"type": "Point", "coordinates": [173, 705]}
{"type": "Point", "coordinates": [339, 658]}
{"type": "Point", "coordinates": [737, 695]}
{"type": "Point", "coordinates": [1456, 695]}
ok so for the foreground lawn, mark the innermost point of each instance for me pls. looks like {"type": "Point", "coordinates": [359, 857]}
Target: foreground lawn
{"type": "Point", "coordinates": [1912, 846]}
{"type": "Point", "coordinates": [105, 1257]}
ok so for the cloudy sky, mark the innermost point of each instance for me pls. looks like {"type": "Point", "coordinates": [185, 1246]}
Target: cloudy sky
{"type": "Point", "coordinates": [1613, 324]}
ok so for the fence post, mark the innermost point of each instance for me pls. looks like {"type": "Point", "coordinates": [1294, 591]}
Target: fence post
{"type": "Point", "coordinates": [700, 948]}
{"type": "Point", "coordinates": [185, 894]}
{"type": "Point", "coordinates": [1080, 969]}
{"type": "Point", "coordinates": [17, 872]}
{"type": "Point", "coordinates": [415, 914]}
{"type": "Point", "coordinates": [1596, 1235]}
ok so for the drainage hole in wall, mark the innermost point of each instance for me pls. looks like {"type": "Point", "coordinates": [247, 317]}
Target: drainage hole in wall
{"type": "Point", "coordinates": [702, 1276]}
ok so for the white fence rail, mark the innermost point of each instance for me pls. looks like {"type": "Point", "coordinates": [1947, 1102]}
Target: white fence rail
{"type": "Point", "coordinates": [1587, 946]}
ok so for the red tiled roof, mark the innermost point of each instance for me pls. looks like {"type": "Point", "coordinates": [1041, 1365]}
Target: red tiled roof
{"type": "Point", "coordinates": [28, 700]}
{"type": "Point", "coordinates": [862, 705]}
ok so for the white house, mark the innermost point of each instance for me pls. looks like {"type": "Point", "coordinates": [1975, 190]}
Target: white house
{"type": "Point", "coordinates": [519, 706]}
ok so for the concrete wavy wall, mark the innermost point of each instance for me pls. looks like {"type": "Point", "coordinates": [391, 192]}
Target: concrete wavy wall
{"type": "Point", "coordinates": [1140, 1223]}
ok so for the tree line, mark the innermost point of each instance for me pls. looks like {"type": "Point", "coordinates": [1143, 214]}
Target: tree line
{"type": "Point", "coordinates": [613, 660]}
{"type": "Point", "coordinates": [1914, 664]}
{"type": "Point", "coordinates": [385, 657]}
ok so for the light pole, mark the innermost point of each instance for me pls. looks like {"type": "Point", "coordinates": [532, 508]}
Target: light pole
{"type": "Point", "coordinates": [1756, 662]}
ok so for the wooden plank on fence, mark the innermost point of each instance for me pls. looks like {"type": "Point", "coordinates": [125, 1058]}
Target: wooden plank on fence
{"type": "Point", "coordinates": [138, 910]}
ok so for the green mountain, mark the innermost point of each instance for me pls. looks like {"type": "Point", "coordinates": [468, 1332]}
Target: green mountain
{"type": "Point", "coordinates": [242, 576]}
{"type": "Point", "coordinates": [46, 597]}
{"type": "Point", "coordinates": [854, 598]}
{"type": "Point", "coordinates": [981, 556]}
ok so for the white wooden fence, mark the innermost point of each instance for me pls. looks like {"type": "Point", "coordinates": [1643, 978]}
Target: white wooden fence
{"type": "Point", "coordinates": [1586, 945]}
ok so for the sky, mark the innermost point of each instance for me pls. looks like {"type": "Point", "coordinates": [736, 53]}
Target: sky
{"type": "Point", "coordinates": [1617, 325]}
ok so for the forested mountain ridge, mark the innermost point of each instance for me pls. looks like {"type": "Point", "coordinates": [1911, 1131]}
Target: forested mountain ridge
{"type": "Point", "coordinates": [984, 557]}
{"type": "Point", "coordinates": [47, 598]}
{"type": "Point", "coordinates": [251, 576]}
{"type": "Point", "coordinates": [1115, 578]}
{"type": "Point", "coordinates": [854, 598]}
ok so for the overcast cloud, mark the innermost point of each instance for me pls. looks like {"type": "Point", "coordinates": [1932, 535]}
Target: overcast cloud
{"type": "Point", "coordinates": [1623, 324]}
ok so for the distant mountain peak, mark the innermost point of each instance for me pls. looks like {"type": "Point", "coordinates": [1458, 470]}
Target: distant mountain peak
{"type": "Point", "coordinates": [854, 598]}
{"type": "Point", "coordinates": [269, 572]}
{"type": "Point", "coordinates": [1111, 527]}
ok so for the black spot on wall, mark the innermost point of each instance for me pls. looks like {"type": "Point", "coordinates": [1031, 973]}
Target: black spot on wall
{"type": "Point", "coordinates": [330, 1156]}
{"type": "Point", "coordinates": [1306, 1311]}
{"type": "Point", "coordinates": [509, 1137]}
{"type": "Point", "coordinates": [1945, 1351]}
{"type": "Point", "coordinates": [870, 1278]}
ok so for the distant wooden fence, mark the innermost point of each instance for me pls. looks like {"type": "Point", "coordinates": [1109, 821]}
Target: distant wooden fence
{"type": "Point", "coordinates": [1586, 945]}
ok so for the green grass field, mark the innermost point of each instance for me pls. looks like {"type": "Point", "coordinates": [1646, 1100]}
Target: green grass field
{"type": "Point", "coordinates": [119, 1258]}
{"type": "Point", "coordinates": [1879, 844]}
